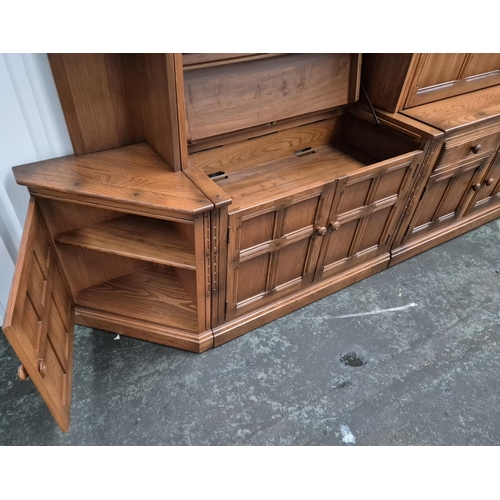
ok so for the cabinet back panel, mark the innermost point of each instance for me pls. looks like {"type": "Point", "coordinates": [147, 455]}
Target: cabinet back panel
{"type": "Point", "coordinates": [99, 97]}
{"type": "Point", "coordinates": [378, 141]}
{"type": "Point", "coordinates": [223, 99]}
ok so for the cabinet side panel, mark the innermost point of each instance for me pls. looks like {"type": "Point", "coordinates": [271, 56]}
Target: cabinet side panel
{"type": "Point", "coordinates": [160, 114]}
{"type": "Point", "coordinates": [384, 77]}
{"type": "Point", "coordinates": [97, 93]}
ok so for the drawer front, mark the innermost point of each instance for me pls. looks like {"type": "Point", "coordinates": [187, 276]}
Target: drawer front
{"type": "Point", "coordinates": [468, 146]}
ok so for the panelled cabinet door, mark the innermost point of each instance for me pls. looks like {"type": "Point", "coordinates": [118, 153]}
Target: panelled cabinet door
{"type": "Point", "coordinates": [39, 318]}
{"type": "Point", "coordinates": [274, 248]}
{"type": "Point", "coordinates": [366, 208]}
{"type": "Point", "coordinates": [446, 197]}
{"type": "Point", "coordinates": [488, 195]}
{"type": "Point", "coordinates": [439, 76]}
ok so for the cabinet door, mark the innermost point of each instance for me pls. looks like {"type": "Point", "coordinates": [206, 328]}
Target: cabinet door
{"type": "Point", "coordinates": [488, 195]}
{"type": "Point", "coordinates": [440, 68]}
{"type": "Point", "coordinates": [366, 208]}
{"type": "Point", "coordinates": [39, 318]}
{"type": "Point", "coordinates": [447, 196]}
{"type": "Point", "coordinates": [438, 76]}
{"type": "Point", "coordinates": [274, 248]}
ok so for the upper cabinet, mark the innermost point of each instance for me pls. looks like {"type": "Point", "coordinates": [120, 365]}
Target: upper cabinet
{"type": "Point", "coordinates": [400, 81]}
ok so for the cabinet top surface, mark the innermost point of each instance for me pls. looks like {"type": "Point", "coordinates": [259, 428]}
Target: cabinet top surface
{"type": "Point", "coordinates": [132, 178]}
{"type": "Point", "coordinates": [459, 112]}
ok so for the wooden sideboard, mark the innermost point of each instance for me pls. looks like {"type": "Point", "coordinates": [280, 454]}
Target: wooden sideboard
{"type": "Point", "coordinates": [212, 193]}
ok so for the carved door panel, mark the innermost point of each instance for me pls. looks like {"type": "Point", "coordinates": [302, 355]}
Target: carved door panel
{"type": "Point", "coordinates": [488, 195]}
{"type": "Point", "coordinates": [446, 197]}
{"type": "Point", "coordinates": [39, 318]}
{"type": "Point", "coordinates": [366, 209]}
{"type": "Point", "coordinates": [273, 249]}
{"type": "Point", "coordinates": [439, 76]}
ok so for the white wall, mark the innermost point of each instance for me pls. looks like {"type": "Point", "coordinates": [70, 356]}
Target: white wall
{"type": "Point", "coordinates": [32, 128]}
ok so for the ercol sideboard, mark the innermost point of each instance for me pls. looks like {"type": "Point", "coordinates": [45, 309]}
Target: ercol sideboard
{"type": "Point", "coordinates": [212, 193]}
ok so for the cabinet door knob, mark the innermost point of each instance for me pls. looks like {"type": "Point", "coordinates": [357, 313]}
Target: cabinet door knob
{"type": "Point", "coordinates": [489, 182]}
{"type": "Point", "coordinates": [321, 231]}
{"type": "Point", "coordinates": [476, 187]}
{"type": "Point", "coordinates": [22, 373]}
{"type": "Point", "coordinates": [335, 225]}
{"type": "Point", "coordinates": [476, 149]}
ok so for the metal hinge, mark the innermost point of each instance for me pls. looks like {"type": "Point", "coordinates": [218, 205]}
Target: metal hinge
{"type": "Point", "coordinates": [225, 308]}
{"type": "Point", "coordinates": [228, 234]}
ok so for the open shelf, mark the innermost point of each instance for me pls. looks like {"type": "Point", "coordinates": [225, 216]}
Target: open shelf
{"type": "Point", "coordinates": [143, 238]}
{"type": "Point", "coordinates": [152, 295]}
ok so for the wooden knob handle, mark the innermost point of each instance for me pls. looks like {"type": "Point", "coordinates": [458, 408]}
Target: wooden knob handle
{"type": "Point", "coordinates": [321, 231]}
{"type": "Point", "coordinates": [476, 187]}
{"type": "Point", "coordinates": [476, 149]}
{"type": "Point", "coordinates": [489, 182]}
{"type": "Point", "coordinates": [335, 225]}
{"type": "Point", "coordinates": [22, 373]}
{"type": "Point", "coordinates": [42, 368]}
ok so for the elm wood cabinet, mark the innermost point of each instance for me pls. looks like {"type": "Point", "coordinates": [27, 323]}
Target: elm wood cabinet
{"type": "Point", "coordinates": [462, 191]}
{"type": "Point", "coordinates": [316, 200]}
{"type": "Point", "coordinates": [124, 248]}
{"type": "Point", "coordinates": [210, 194]}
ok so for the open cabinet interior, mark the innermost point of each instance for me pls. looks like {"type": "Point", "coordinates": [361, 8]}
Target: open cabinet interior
{"type": "Point", "coordinates": [259, 169]}
{"type": "Point", "coordinates": [127, 266]}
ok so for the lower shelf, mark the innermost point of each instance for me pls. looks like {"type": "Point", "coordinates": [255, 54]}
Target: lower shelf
{"type": "Point", "coordinates": [153, 295]}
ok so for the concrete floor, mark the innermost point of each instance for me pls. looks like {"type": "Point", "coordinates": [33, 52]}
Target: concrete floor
{"type": "Point", "coordinates": [428, 371]}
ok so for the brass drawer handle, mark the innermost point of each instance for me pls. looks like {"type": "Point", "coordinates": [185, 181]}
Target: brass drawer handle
{"type": "Point", "coordinates": [476, 149]}
{"type": "Point", "coordinates": [489, 182]}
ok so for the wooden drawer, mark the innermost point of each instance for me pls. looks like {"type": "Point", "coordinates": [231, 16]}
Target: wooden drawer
{"type": "Point", "coordinates": [469, 146]}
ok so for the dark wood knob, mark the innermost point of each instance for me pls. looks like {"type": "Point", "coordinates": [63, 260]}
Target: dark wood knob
{"type": "Point", "coordinates": [476, 187]}
{"type": "Point", "coordinates": [321, 231]}
{"type": "Point", "coordinates": [335, 225]}
{"type": "Point", "coordinates": [489, 182]}
{"type": "Point", "coordinates": [476, 149]}
{"type": "Point", "coordinates": [22, 373]}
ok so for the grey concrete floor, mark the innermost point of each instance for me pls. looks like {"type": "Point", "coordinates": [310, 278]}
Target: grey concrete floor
{"type": "Point", "coordinates": [429, 370]}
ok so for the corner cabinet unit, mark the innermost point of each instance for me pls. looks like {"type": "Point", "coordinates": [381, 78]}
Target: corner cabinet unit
{"type": "Point", "coordinates": [212, 193]}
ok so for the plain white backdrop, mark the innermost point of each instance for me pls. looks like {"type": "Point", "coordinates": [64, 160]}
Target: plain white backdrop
{"type": "Point", "coordinates": [32, 128]}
